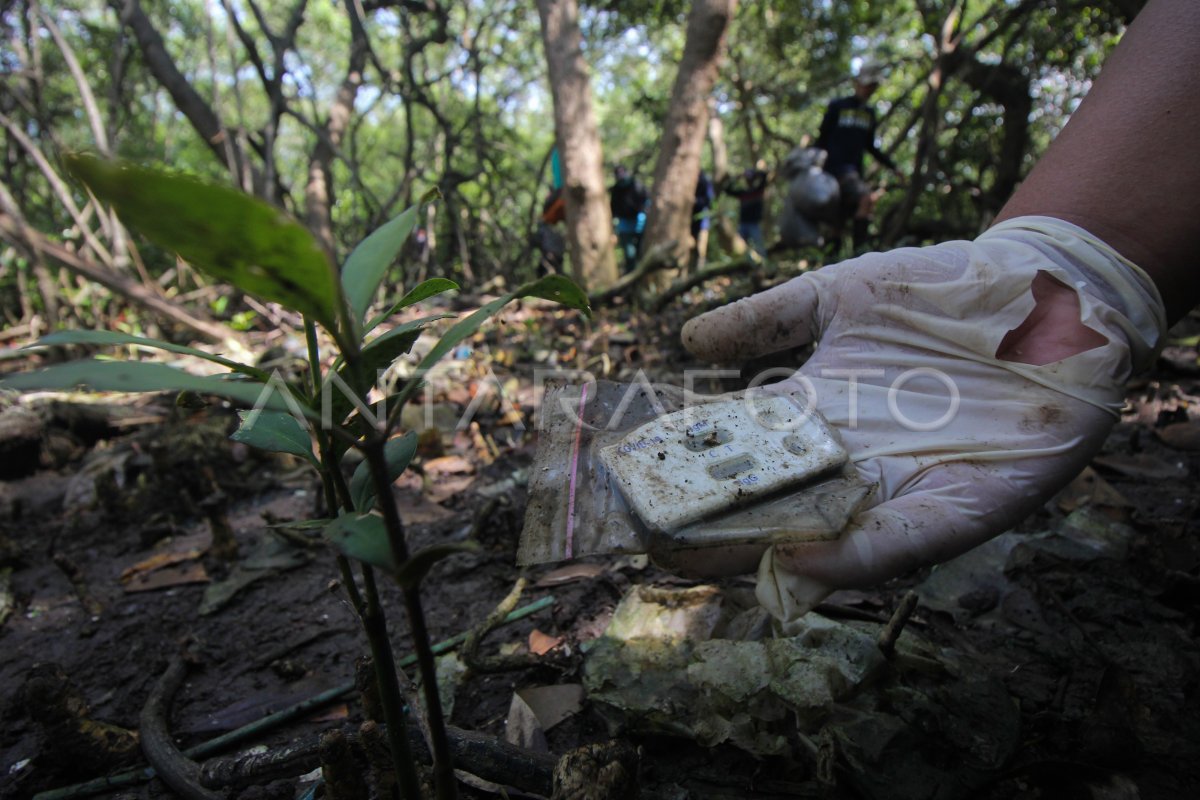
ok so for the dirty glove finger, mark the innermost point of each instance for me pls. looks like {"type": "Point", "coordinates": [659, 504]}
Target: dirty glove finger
{"type": "Point", "coordinates": [768, 322]}
{"type": "Point", "coordinates": [949, 510]}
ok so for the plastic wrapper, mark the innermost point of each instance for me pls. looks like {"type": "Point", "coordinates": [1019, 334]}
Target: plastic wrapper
{"type": "Point", "coordinates": [577, 506]}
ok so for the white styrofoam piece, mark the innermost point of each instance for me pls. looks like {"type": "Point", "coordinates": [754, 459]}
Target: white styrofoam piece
{"type": "Point", "coordinates": [695, 463]}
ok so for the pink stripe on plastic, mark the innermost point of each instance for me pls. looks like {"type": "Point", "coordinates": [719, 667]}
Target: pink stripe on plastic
{"type": "Point", "coordinates": [570, 545]}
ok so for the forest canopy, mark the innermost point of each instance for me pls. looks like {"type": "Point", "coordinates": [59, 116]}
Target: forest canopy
{"type": "Point", "coordinates": [344, 114]}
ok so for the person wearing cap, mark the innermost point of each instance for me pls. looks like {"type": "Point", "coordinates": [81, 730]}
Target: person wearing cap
{"type": "Point", "coordinates": [847, 133]}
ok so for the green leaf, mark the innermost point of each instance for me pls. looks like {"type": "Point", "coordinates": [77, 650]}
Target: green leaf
{"type": "Point", "coordinates": [558, 288]}
{"type": "Point", "coordinates": [302, 524]}
{"type": "Point", "coordinates": [422, 291]}
{"type": "Point", "coordinates": [385, 349]}
{"type": "Point", "coordinates": [275, 432]}
{"type": "Point", "coordinates": [223, 232]}
{"type": "Point", "coordinates": [376, 357]}
{"type": "Point", "coordinates": [398, 453]}
{"type": "Point", "coordinates": [552, 287]}
{"type": "Point", "coordinates": [115, 338]}
{"type": "Point", "coordinates": [362, 537]}
{"type": "Point", "coordinates": [411, 572]}
{"type": "Point", "coordinates": [366, 266]}
{"type": "Point", "coordinates": [141, 376]}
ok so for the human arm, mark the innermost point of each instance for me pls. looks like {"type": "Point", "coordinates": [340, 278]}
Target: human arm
{"type": "Point", "coordinates": [1127, 166]}
{"type": "Point", "coordinates": [882, 157]}
{"type": "Point", "coordinates": [1034, 328]}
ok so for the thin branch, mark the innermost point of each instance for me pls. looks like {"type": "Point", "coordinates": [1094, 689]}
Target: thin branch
{"type": "Point", "coordinates": [13, 231]}
{"type": "Point", "coordinates": [60, 188]}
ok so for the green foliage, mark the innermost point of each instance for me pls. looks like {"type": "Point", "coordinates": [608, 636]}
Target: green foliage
{"type": "Point", "coordinates": [365, 268]}
{"type": "Point", "coordinates": [398, 453]}
{"type": "Point", "coordinates": [422, 291]}
{"type": "Point", "coordinates": [463, 105]}
{"type": "Point", "coordinates": [139, 376]}
{"type": "Point", "coordinates": [275, 432]}
{"type": "Point", "coordinates": [362, 537]}
{"type": "Point", "coordinates": [558, 288]}
{"type": "Point", "coordinates": [281, 262]}
{"type": "Point", "coordinates": [264, 253]}
{"type": "Point", "coordinates": [227, 234]}
{"type": "Point", "coordinates": [115, 338]}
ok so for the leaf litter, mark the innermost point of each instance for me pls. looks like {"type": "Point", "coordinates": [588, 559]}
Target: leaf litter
{"type": "Point", "coordinates": [1059, 659]}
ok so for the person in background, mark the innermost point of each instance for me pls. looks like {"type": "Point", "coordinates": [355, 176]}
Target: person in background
{"type": "Point", "coordinates": [628, 198]}
{"type": "Point", "coordinates": [847, 133]}
{"type": "Point", "coordinates": [547, 239]}
{"type": "Point", "coordinates": [751, 192]}
{"type": "Point", "coordinates": [701, 217]}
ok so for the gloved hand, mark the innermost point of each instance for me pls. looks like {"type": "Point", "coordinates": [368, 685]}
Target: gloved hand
{"type": "Point", "coordinates": [970, 380]}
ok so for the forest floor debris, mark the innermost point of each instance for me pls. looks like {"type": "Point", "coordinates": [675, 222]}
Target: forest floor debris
{"type": "Point", "coordinates": [1060, 659]}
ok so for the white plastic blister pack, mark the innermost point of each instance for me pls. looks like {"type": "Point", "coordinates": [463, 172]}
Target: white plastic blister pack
{"type": "Point", "coordinates": [641, 468]}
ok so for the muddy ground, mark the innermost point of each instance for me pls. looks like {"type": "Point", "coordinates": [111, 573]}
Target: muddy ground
{"type": "Point", "coordinates": [1062, 662]}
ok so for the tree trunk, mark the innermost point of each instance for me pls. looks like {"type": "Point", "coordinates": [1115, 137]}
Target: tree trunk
{"type": "Point", "coordinates": [722, 227]}
{"type": "Point", "coordinates": [589, 220]}
{"type": "Point", "coordinates": [318, 190]}
{"type": "Point", "coordinates": [669, 218]}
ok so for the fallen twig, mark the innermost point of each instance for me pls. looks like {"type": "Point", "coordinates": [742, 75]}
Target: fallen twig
{"type": "Point", "coordinates": [658, 258]}
{"type": "Point", "coordinates": [228, 740]}
{"type": "Point", "coordinates": [470, 650]}
{"type": "Point", "coordinates": [479, 754]}
{"type": "Point", "coordinates": [748, 261]}
{"type": "Point", "coordinates": [175, 769]}
{"type": "Point", "coordinates": [16, 232]}
{"type": "Point", "coordinates": [891, 631]}
{"type": "Point", "coordinates": [75, 575]}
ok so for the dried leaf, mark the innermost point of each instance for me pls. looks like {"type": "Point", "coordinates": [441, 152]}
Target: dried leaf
{"type": "Point", "coordinates": [542, 643]}
{"type": "Point", "coordinates": [1181, 435]}
{"type": "Point", "coordinates": [1143, 466]}
{"type": "Point", "coordinates": [157, 561]}
{"type": "Point", "coordinates": [569, 573]}
{"type": "Point", "coordinates": [336, 714]}
{"type": "Point", "coordinates": [446, 488]}
{"type": "Point", "coordinates": [1089, 488]}
{"type": "Point", "coordinates": [553, 704]}
{"type": "Point", "coordinates": [449, 465]}
{"type": "Point", "coordinates": [523, 728]}
{"type": "Point", "coordinates": [166, 577]}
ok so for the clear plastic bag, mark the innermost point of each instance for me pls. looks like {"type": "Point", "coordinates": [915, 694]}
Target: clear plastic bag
{"type": "Point", "coordinates": [578, 508]}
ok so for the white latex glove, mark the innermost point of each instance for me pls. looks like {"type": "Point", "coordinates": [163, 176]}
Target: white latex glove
{"type": "Point", "coordinates": [970, 443]}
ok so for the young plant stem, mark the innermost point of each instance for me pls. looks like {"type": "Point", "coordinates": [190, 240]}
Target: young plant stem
{"type": "Point", "coordinates": [443, 767]}
{"type": "Point", "coordinates": [390, 696]}
{"type": "Point", "coordinates": [366, 603]}
{"type": "Point", "coordinates": [351, 587]}
{"type": "Point", "coordinates": [314, 356]}
{"type": "Point", "coordinates": [331, 474]}
{"type": "Point", "coordinates": [314, 383]}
